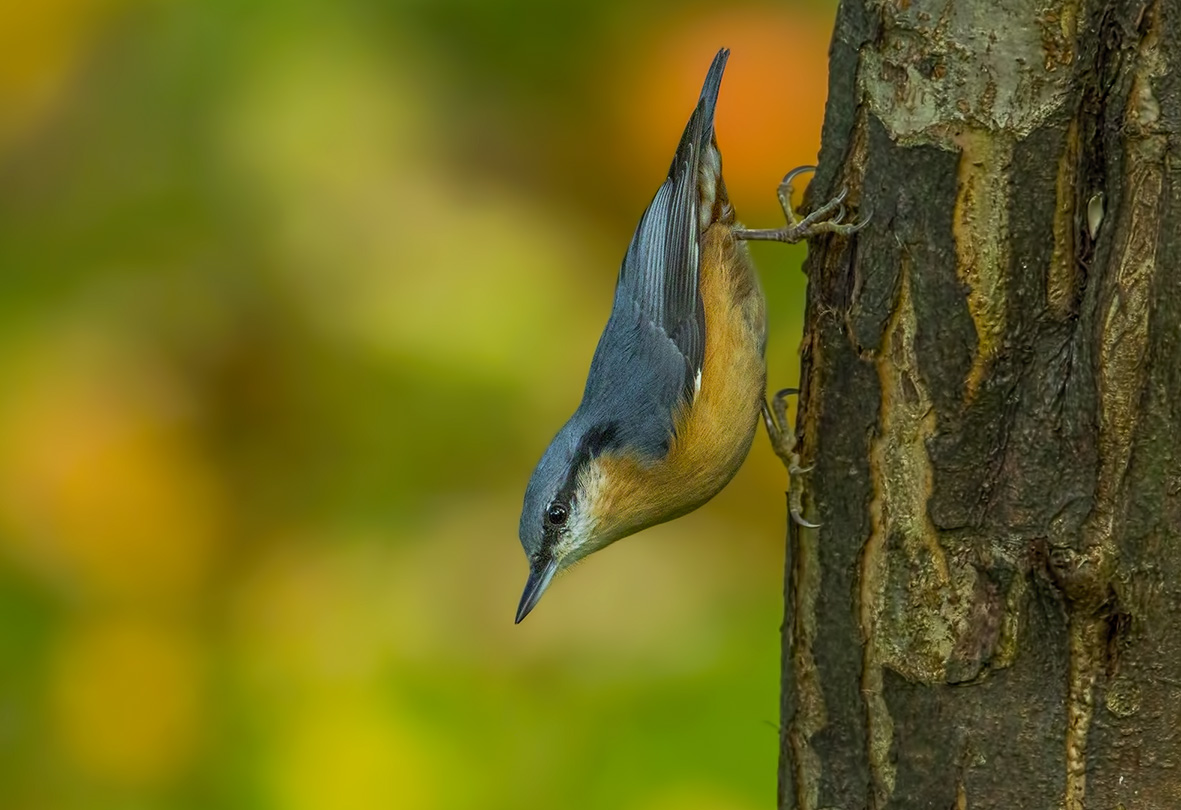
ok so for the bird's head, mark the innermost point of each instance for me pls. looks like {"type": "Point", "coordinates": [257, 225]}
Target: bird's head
{"type": "Point", "coordinates": [570, 504]}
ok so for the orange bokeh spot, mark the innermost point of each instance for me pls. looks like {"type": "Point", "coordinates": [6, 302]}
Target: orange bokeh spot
{"type": "Point", "coordinates": [771, 106]}
{"type": "Point", "coordinates": [102, 488]}
{"type": "Point", "coordinates": [41, 44]}
{"type": "Point", "coordinates": [127, 701]}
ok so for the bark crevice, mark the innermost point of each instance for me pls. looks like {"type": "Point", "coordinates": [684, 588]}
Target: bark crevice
{"type": "Point", "coordinates": [991, 399]}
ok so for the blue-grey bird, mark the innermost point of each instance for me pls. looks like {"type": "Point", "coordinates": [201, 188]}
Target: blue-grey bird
{"type": "Point", "coordinates": [677, 383]}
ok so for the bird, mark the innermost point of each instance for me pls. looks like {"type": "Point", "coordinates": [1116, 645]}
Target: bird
{"type": "Point", "coordinates": [678, 379]}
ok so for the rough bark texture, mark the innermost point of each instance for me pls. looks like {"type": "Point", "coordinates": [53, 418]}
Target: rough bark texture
{"type": "Point", "coordinates": [990, 614]}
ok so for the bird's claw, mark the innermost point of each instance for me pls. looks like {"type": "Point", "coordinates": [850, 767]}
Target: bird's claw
{"type": "Point", "coordinates": [800, 520]}
{"type": "Point", "coordinates": [828, 218]}
{"type": "Point", "coordinates": [783, 442]}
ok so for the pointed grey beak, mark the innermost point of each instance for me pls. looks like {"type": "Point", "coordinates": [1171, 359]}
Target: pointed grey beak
{"type": "Point", "coordinates": [539, 578]}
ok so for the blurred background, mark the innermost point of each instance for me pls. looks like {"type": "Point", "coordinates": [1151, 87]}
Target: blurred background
{"type": "Point", "coordinates": [292, 297]}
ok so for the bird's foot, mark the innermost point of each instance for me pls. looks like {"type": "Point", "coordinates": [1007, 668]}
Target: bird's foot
{"type": "Point", "coordinates": [783, 442]}
{"type": "Point", "coordinates": [828, 218]}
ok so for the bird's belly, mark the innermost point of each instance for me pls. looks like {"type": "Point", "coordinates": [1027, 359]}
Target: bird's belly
{"type": "Point", "coordinates": [714, 433]}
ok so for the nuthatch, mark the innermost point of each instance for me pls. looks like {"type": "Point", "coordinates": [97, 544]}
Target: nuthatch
{"type": "Point", "coordinates": [677, 382]}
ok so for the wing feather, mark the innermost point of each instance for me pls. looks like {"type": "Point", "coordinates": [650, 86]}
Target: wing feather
{"type": "Point", "coordinates": [660, 270]}
{"type": "Point", "coordinates": [650, 356]}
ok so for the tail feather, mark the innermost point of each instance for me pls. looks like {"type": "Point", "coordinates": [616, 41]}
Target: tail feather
{"type": "Point", "coordinates": [660, 274]}
{"type": "Point", "coordinates": [699, 132]}
{"type": "Point", "coordinates": [709, 91]}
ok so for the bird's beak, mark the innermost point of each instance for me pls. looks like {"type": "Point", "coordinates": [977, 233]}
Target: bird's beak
{"type": "Point", "coordinates": [539, 578]}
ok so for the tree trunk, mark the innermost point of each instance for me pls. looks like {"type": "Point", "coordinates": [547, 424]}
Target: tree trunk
{"type": "Point", "coordinates": [988, 615]}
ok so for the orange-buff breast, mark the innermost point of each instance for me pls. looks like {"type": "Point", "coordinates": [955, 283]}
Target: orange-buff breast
{"type": "Point", "coordinates": [714, 433]}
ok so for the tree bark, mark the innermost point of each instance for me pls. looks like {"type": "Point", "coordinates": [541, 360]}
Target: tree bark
{"type": "Point", "coordinates": [991, 397]}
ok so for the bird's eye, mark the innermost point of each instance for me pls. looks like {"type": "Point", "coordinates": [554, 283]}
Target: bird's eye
{"type": "Point", "coordinates": [556, 514]}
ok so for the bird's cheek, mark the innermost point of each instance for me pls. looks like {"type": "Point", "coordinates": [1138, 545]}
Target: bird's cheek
{"type": "Point", "coordinates": [562, 552]}
{"type": "Point", "coordinates": [564, 562]}
{"type": "Point", "coordinates": [574, 547]}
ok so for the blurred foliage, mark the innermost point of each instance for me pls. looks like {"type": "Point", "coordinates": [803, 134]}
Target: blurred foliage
{"type": "Point", "coordinates": [294, 295]}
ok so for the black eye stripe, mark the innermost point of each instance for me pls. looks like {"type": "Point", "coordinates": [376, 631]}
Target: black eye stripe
{"type": "Point", "coordinates": [594, 441]}
{"type": "Point", "coordinates": [597, 439]}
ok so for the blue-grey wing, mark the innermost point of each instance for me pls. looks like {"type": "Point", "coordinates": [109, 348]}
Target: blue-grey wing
{"type": "Point", "coordinates": [651, 353]}
{"type": "Point", "coordinates": [660, 270]}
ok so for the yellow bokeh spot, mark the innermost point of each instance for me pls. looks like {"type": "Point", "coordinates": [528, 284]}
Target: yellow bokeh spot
{"type": "Point", "coordinates": [126, 696]}
{"type": "Point", "coordinates": [347, 754]}
{"type": "Point", "coordinates": [100, 484]}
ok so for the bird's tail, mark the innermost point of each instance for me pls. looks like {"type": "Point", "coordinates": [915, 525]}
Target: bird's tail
{"type": "Point", "coordinates": [698, 156]}
{"type": "Point", "coordinates": [698, 133]}
{"type": "Point", "coordinates": [709, 91]}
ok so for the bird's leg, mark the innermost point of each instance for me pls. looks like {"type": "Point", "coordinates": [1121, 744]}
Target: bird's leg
{"type": "Point", "coordinates": [783, 442]}
{"type": "Point", "coordinates": [828, 218]}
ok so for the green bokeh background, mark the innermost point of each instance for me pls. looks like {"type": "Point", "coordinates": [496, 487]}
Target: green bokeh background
{"type": "Point", "coordinates": [292, 297]}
